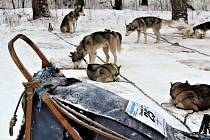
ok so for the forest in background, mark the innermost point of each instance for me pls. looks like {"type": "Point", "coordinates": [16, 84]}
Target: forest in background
{"type": "Point", "coordinates": [154, 5]}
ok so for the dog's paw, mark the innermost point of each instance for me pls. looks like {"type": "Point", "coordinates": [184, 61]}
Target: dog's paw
{"type": "Point", "coordinates": [116, 79]}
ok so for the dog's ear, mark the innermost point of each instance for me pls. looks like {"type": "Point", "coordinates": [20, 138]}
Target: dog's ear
{"type": "Point", "coordinates": [171, 84]}
{"type": "Point", "coordinates": [71, 54]}
{"type": "Point", "coordinates": [186, 82]}
{"type": "Point", "coordinates": [119, 67]}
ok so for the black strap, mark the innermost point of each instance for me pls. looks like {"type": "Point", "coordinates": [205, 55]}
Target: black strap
{"type": "Point", "coordinates": [14, 118]}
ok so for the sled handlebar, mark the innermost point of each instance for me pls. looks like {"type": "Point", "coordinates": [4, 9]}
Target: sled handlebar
{"type": "Point", "coordinates": [45, 62]}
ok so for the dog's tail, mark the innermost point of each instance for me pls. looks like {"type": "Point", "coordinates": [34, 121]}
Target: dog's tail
{"type": "Point", "coordinates": [118, 40]}
{"type": "Point", "coordinates": [168, 22]}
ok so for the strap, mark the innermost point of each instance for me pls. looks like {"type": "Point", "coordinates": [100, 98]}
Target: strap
{"type": "Point", "coordinates": [28, 118]}
{"type": "Point", "coordinates": [114, 69]}
{"type": "Point", "coordinates": [14, 118]}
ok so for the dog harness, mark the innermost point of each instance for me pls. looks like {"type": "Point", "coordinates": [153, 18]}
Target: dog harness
{"type": "Point", "coordinates": [114, 69]}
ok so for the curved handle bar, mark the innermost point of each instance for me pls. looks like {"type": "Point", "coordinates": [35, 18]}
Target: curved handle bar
{"type": "Point", "coordinates": [45, 62]}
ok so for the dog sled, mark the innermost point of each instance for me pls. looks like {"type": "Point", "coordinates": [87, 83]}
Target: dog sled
{"type": "Point", "coordinates": [60, 108]}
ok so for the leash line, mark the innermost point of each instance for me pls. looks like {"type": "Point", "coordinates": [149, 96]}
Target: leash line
{"type": "Point", "coordinates": [165, 40]}
{"type": "Point", "coordinates": [67, 43]}
{"type": "Point", "coordinates": [63, 39]}
{"type": "Point", "coordinates": [188, 114]}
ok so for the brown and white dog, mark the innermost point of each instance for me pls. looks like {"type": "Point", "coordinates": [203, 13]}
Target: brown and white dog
{"type": "Point", "coordinates": [69, 22]}
{"type": "Point", "coordinates": [190, 97]}
{"type": "Point", "coordinates": [143, 23]}
{"type": "Point", "coordinates": [108, 40]}
{"type": "Point", "coordinates": [103, 72]}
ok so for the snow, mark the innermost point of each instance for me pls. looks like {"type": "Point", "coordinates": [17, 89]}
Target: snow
{"type": "Point", "coordinates": [150, 66]}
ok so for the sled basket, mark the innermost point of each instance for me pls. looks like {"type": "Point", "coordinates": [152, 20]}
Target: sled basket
{"type": "Point", "coordinates": [60, 108]}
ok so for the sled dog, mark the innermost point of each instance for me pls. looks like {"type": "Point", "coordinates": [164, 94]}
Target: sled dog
{"type": "Point", "coordinates": [103, 73]}
{"type": "Point", "coordinates": [187, 32]}
{"type": "Point", "coordinates": [193, 97]}
{"type": "Point", "coordinates": [204, 27]}
{"type": "Point", "coordinates": [69, 22]}
{"type": "Point", "coordinates": [108, 40]}
{"type": "Point", "coordinates": [143, 23]}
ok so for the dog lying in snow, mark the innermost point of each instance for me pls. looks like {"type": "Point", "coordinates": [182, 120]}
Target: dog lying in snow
{"type": "Point", "coordinates": [103, 73]}
{"type": "Point", "coordinates": [190, 97]}
{"type": "Point", "coordinates": [204, 27]}
{"type": "Point", "coordinates": [187, 30]}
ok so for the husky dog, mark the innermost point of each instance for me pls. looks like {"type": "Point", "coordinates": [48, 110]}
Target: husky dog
{"type": "Point", "coordinates": [108, 40]}
{"type": "Point", "coordinates": [103, 73]}
{"type": "Point", "coordinates": [194, 97]}
{"type": "Point", "coordinates": [143, 23]}
{"type": "Point", "coordinates": [186, 31]}
{"type": "Point", "coordinates": [204, 27]}
{"type": "Point", "coordinates": [69, 22]}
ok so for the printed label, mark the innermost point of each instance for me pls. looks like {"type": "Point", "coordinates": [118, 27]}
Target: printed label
{"type": "Point", "coordinates": [147, 116]}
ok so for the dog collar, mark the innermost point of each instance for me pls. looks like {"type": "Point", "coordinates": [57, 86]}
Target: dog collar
{"type": "Point", "coordinates": [114, 69]}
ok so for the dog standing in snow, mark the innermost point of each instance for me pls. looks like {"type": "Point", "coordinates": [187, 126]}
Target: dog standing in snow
{"type": "Point", "coordinates": [108, 40]}
{"type": "Point", "coordinates": [143, 23]}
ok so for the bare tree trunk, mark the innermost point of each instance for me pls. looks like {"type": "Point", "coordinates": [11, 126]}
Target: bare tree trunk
{"type": "Point", "coordinates": [13, 4]}
{"type": "Point", "coordinates": [161, 5]}
{"type": "Point", "coordinates": [40, 9]}
{"type": "Point", "coordinates": [118, 5]}
{"type": "Point", "coordinates": [18, 3]}
{"type": "Point", "coordinates": [144, 2]}
{"type": "Point", "coordinates": [179, 10]}
{"type": "Point", "coordinates": [79, 2]}
{"type": "Point", "coordinates": [23, 3]}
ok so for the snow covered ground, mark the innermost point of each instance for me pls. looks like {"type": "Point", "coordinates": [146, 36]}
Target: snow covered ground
{"type": "Point", "coordinates": [150, 66]}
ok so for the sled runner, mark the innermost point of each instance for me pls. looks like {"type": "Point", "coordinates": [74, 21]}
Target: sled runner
{"type": "Point", "coordinates": [60, 108]}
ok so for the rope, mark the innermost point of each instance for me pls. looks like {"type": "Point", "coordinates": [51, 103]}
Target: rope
{"type": "Point", "coordinates": [64, 39]}
{"type": "Point", "coordinates": [137, 87]}
{"type": "Point", "coordinates": [171, 113]}
{"type": "Point", "coordinates": [14, 118]}
{"type": "Point", "coordinates": [177, 44]}
{"type": "Point", "coordinates": [67, 43]}
{"type": "Point", "coordinates": [188, 114]}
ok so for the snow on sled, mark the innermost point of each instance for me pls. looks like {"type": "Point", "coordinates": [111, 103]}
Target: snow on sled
{"type": "Point", "coordinates": [60, 108]}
